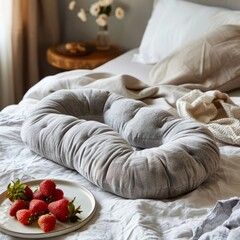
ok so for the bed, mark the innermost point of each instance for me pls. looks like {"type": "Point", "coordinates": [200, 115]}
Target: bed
{"type": "Point", "coordinates": [194, 79]}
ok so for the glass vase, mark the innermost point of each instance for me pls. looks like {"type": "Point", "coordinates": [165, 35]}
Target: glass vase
{"type": "Point", "coordinates": [103, 42]}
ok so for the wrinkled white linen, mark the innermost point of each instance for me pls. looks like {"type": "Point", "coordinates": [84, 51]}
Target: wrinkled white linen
{"type": "Point", "coordinates": [222, 223]}
{"type": "Point", "coordinates": [115, 218]}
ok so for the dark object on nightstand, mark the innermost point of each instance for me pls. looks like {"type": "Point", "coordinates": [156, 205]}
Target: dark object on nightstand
{"type": "Point", "coordinates": [80, 55]}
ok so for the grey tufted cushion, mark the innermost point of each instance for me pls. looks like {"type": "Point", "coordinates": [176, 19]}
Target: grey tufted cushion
{"type": "Point", "coordinates": [121, 145]}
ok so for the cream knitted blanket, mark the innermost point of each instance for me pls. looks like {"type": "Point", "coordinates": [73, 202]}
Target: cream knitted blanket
{"type": "Point", "coordinates": [216, 110]}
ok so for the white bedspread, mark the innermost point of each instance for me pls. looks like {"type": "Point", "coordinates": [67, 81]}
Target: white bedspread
{"type": "Point", "coordinates": [115, 217]}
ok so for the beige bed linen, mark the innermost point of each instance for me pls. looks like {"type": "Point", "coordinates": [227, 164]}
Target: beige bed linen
{"type": "Point", "coordinates": [125, 85]}
{"type": "Point", "coordinates": [209, 63]}
{"type": "Point", "coordinates": [216, 110]}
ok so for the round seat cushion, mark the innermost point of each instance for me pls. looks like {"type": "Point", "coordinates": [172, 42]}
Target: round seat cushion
{"type": "Point", "coordinates": [122, 145]}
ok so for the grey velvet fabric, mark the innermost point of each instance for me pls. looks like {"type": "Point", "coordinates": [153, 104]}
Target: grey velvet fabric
{"type": "Point", "coordinates": [121, 145]}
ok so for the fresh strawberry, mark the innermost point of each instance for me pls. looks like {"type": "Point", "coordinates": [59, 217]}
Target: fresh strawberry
{"type": "Point", "coordinates": [57, 195]}
{"type": "Point", "coordinates": [64, 210]}
{"type": "Point", "coordinates": [38, 207]}
{"type": "Point", "coordinates": [17, 205]}
{"type": "Point", "coordinates": [47, 222]}
{"type": "Point", "coordinates": [38, 195]}
{"type": "Point", "coordinates": [24, 216]}
{"type": "Point", "coordinates": [19, 191]}
{"type": "Point", "coordinates": [47, 187]}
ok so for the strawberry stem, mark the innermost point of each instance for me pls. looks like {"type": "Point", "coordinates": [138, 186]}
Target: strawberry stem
{"type": "Point", "coordinates": [16, 190]}
{"type": "Point", "coordinates": [72, 211]}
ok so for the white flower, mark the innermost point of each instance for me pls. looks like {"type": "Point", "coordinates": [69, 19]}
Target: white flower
{"type": "Point", "coordinates": [95, 9]}
{"type": "Point", "coordinates": [119, 13]}
{"type": "Point", "coordinates": [72, 5]}
{"type": "Point", "coordinates": [82, 15]}
{"type": "Point", "coordinates": [100, 9]}
{"type": "Point", "coordinates": [105, 3]}
{"type": "Point", "coordinates": [102, 20]}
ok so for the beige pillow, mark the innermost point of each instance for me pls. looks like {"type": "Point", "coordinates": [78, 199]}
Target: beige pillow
{"type": "Point", "coordinates": [211, 62]}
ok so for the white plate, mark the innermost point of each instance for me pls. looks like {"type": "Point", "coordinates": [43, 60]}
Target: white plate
{"type": "Point", "coordinates": [83, 197]}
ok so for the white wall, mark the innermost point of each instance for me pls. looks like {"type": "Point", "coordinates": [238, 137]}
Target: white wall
{"type": "Point", "coordinates": [127, 32]}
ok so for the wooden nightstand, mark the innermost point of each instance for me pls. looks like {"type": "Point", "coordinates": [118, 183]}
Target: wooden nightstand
{"type": "Point", "coordinates": [58, 57]}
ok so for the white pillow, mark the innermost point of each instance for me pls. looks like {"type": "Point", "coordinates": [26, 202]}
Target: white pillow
{"type": "Point", "coordinates": [177, 22]}
{"type": "Point", "coordinates": [209, 63]}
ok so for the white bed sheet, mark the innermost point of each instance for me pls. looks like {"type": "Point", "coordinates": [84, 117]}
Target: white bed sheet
{"type": "Point", "coordinates": [115, 217]}
{"type": "Point", "coordinates": [124, 65]}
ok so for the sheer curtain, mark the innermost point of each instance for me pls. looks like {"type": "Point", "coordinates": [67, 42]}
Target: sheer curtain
{"type": "Point", "coordinates": [6, 74]}
{"type": "Point", "coordinates": [31, 27]}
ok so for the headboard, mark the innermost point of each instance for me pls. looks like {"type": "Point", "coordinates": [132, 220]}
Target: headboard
{"type": "Point", "coordinates": [126, 33]}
